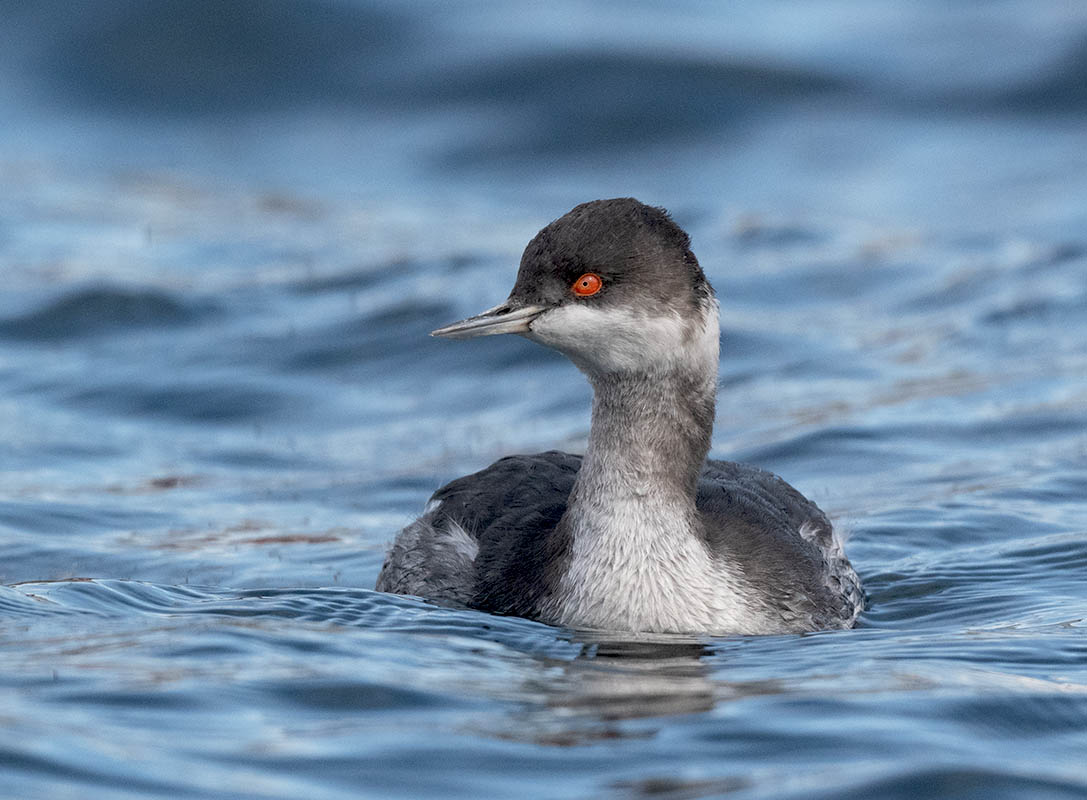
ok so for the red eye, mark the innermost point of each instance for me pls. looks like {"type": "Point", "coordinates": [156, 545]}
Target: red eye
{"type": "Point", "coordinates": [587, 285]}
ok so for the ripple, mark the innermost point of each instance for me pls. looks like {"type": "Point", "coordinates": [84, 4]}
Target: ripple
{"type": "Point", "coordinates": [253, 58]}
{"type": "Point", "coordinates": [951, 781]}
{"type": "Point", "coordinates": [361, 608]}
{"type": "Point", "coordinates": [101, 310]}
{"type": "Point", "coordinates": [389, 333]}
{"type": "Point", "coordinates": [1061, 89]}
{"type": "Point", "coordinates": [212, 402]}
{"type": "Point", "coordinates": [61, 519]}
{"type": "Point", "coordinates": [585, 102]}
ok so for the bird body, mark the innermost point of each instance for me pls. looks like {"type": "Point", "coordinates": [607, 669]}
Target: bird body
{"type": "Point", "coordinates": [642, 533]}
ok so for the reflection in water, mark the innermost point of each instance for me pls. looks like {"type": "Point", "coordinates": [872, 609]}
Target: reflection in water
{"type": "Point", "coordinates": [615, 680]}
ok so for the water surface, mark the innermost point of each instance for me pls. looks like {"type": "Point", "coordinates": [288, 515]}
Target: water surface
{"type": "Point", "coordinates": [218, 401]}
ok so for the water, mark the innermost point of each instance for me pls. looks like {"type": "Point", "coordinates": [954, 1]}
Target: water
{"type": "Point", "coordinates": [224, 237]}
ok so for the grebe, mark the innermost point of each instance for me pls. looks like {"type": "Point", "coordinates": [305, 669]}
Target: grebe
{"type": "Point", "coordinates": [642, 533]}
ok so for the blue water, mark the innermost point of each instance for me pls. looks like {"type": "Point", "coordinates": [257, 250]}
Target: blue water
{"type": "Point", "coordinates": [225, 231]}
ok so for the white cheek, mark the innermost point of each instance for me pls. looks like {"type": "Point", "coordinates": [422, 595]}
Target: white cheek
{"type": "Point", "coordinates": [616, 340]}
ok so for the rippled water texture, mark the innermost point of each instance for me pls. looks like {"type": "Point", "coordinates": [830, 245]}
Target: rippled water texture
{"type": "Point", "coordinates": [225, 232]}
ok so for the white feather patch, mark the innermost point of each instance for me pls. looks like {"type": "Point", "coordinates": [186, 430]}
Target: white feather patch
{"type": "Point", "coordinates": [602, 339]}
{"type": "Point", "coordinates": [460, 542]}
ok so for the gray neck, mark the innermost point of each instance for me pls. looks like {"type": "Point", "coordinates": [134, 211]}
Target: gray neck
{"type": "Point", "coordinates": [649, 438]}
{"type": "Point", "coordinates": [631, 529]}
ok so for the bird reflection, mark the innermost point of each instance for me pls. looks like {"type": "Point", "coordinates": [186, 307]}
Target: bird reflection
{"type": "Point", "coordinates": [617, 685]}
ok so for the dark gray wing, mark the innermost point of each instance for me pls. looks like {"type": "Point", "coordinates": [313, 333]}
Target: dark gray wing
{"type": "Point", "coordinates": [783, 543]}
{"type": "Point", "coordinates": [511, 509]}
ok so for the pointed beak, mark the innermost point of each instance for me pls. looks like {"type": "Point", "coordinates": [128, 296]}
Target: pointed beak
{"type": "Point", "coordinates": [503, 318]}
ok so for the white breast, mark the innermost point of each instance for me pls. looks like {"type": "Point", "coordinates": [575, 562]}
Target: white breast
{"type": "Point", "coordinates": [638, 566]}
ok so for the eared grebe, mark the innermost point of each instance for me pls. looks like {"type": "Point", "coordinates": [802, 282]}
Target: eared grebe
{"type": "Point", "coordinates": [642, 533]}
